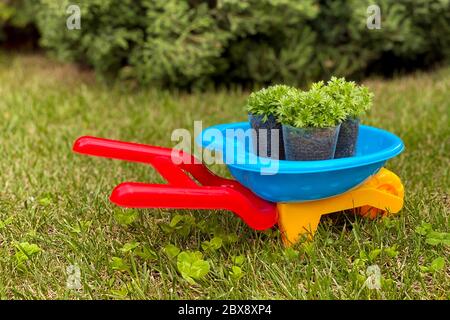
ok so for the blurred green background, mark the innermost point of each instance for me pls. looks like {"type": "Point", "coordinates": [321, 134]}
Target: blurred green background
{"type": "Point", "coordinates": [195, 43]}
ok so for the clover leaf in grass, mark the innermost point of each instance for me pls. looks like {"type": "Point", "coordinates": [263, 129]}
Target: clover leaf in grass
{"type": "Point", "coordinates": [424, 228]}
{"type": "Point", "coordinates": [436, 238]}
{"type": "Point", "coordinates": [213, 244]}
{"type": "Point", "coordinates": [45, 201]}
{"type": "Point", "coordinates": [374, 254]}
{"type": "Point", "coordinates": [391, 252]}
{"type": "Point", "coordinates": [436, 265]}
{"type": "Point", "coordinates": [121, 293]}
{"type": "Point", "coordinates": [125, 217]}
{"type": "Point", "coordinates": [192, 266]}
{"type": "Point", "coordinates": [118, 264]}
{"type": "Point", "coordinates": [433, 237]}
{"type": "Point", "coordinates": [24, 251]}
{"type": "Point", "coordinates": [230, 238]}
{"type": "Point", "coordinates": [171, 251]}
{"type": "Point", "coordinates": [238, 260]}
{"type": "Point", "coordinates": [129, 246]}
{"type": "Point", "coordinates": [180, 224]}
{"type": "Point", "coordinates": [236, 273]}
{"type": "Point", "coordinates": [146, 253]}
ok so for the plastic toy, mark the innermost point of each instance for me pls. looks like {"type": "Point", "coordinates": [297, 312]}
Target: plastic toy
{"type": "Point", "coordinates": [299, 180]}
{"type": "Point", "coordinates": [382, 194]}
{"type": "Point", "coordinates": [192, 186]}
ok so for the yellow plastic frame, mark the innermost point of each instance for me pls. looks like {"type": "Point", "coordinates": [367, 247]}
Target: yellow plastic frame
{"type": "Point", "coordinates": [381, 194]}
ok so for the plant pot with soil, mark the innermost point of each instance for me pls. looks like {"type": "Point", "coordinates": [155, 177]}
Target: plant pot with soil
{"type": "Point", "coordinates": [262, 107]}
{"type": "Point", "coordinates": [355, 100]}
{"type": "Point", "coordinates": [310, 122]}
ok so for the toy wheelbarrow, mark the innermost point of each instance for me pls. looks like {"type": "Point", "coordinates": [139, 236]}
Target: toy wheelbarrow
{"type": "Point", "coordinates": [295, 196]}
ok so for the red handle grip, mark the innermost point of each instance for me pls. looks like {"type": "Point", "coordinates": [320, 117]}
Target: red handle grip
{"type": "Point", "coordinates": [127, 151]}
{"type": "Point", "coordinates": [182, 191]}
{"type": "Point", "coordinates": [162, 159]}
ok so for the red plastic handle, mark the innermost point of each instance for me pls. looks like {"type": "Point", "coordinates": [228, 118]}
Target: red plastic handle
{"type": "Point", "coordinates": [182, 191]}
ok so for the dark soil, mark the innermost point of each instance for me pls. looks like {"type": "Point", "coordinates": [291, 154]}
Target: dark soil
{"type": "Point", "coordinates": [265, 145]}
{"type": "Point", "coordinates": [309, 143]}
{"type": "Point", "coordinates": [348, 135]}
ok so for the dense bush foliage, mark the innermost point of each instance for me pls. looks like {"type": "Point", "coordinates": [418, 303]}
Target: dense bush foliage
{"type": "Point", "coordinates": [185, 42]}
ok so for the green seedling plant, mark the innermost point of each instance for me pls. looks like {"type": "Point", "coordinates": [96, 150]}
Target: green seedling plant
{"type": "Point", "coordinates": [122, 292]}
{"type": "Point", "coordinates": [45, 200]}
{"type": "Point", "coordinates": [125, 217]}
{"type": "Point", "coordinates": [146, 253]}
{"type": "Point", "coordinates": [312, 108]}
{"type": "Point", "coordinates": [129, 247]}
{"type": "Point", "coordinates": [433, 237]}
{"type": "Point", "coordinates": [79, 227]}
{"type": "Point", "coordinates": [424, 228]}
{"type": "Point", "coordinates": [180, 224]}
{"type": "Point", "coordinates": [6, 222]}
{"type": "Point", "coordinates": [353, 99]}
{"type": "Point", "coordinates": [436, 265]}
{"type": "Point", "coordinates": [192, 266]}
{"type": "Point", "coordinates": [24, 252]}
{"type": "Point", "coordinates": [130, 251]}
{"type": "Point", "coordinates": [119, 264]}
{"type": "Point", "coordinates": [238, 260]}
{"type": "Point", "coordinates": [213, 244]}
{"type": "Point", "coordinates": [266, 102]}
{"type": "Point", "coordinates": [236, 272]}
{"type": "Point", "coordinates": [171, 250]}
{"type": "Point", "coordinates": [371, 256]}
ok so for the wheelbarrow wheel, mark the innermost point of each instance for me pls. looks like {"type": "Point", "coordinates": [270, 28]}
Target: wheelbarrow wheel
{"type": "Point", "coordinates": [386, 181]}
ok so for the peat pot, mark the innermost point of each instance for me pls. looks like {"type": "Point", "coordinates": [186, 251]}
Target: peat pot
{"type": "Point", "coordinates": [262, 145]}
{"type": "Point", "coordinates": [306, 144]}
{"type": "Point", "coordinates": [348, 135]}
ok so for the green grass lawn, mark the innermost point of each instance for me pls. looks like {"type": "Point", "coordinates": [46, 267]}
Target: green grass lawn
{"type": "Point", "coordinates": [54, 208]}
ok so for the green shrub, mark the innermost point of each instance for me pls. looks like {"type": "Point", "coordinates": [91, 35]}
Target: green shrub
{"type": "Point", "coordinates": [412, 31]}
{"type": "Point", "coordinates": [312, 108]}
{"type": "Point", "coordinates": [152, 41]}
{"type": "Point", "coordinates": [193, 42]}
{"type": "Point", "coordinates": [266, 101]}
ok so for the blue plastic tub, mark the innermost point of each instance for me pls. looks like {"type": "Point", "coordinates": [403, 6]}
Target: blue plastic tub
{"type": "Point", "coordinates": [296, 181]}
